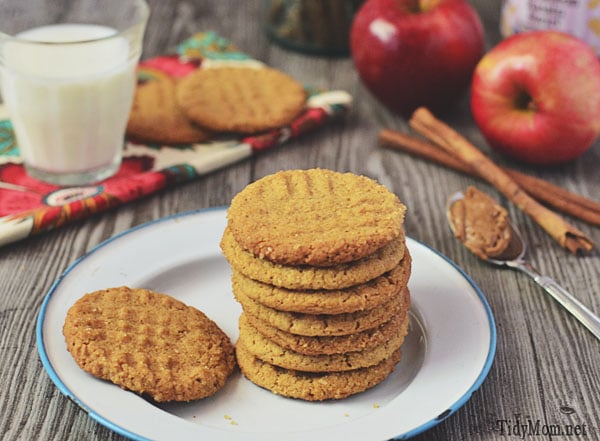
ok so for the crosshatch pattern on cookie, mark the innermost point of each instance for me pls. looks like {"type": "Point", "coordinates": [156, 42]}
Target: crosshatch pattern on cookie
{"type": "Point", "coordinates": [149, 343]}
{"type": "Point", "coordinates": [315, 217]}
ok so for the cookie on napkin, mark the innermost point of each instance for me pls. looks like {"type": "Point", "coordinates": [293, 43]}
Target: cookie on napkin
{"type": "Point", "coordinates": [240, 99]}
{"type": "Point", "coordinates": [155, 115]}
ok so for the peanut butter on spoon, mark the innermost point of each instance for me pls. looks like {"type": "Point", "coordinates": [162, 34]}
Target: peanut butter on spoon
{"type": "Point", "coordinates": [480, 223]}
{"type": "Point", "coordinates": [483, 226]}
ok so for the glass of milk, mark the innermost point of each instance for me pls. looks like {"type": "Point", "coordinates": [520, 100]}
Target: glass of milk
{"type": "Point", "coordinates": [67, 78]}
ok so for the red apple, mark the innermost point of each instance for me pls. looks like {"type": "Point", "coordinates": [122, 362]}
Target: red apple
{"type": "Point", "coordinates": [412, 53]}
{"type": "Point", "coordinates": [536, 97]}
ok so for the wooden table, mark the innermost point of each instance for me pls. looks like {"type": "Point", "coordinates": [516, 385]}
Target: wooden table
{"type": "Point", "coordinates": [546, 364]}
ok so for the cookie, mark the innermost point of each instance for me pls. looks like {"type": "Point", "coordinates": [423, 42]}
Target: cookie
{"type": "Point", "coordinates": [149, 343]}
{"type": "Point", "coordinates": [312, 325]}
{"type": "Point", "coordinates": [356, 298]}
{"type": "Point", "coordinates": [155, 115]}
{"type": "Point", "coordinates": [304, 277]}
{"type": "Point", "coordinates": [316, 346]}
{"type": "Point", "coordinates": [272, 353]}
{"type": "Point", "coordinates": [315, 217]}
{"type": "Point", "coordinates": [312, 386]}
{"type": "Point", "coordinates": [240, 99]}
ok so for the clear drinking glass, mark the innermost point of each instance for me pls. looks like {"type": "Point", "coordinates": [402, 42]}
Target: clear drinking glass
{"type": "Point", "coordinates": [68, 78]}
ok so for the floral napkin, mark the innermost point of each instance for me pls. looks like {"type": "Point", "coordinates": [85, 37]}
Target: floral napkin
{"type": "Point", "coordinates": [29, 206]}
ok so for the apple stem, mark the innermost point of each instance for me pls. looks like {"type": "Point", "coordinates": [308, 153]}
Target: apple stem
{"type": "Point", "coordinates": [426, 5]}
{"type": "Point", "coordinates": [418, 6]}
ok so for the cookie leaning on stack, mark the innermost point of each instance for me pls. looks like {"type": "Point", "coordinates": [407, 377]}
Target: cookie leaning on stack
{"type": "Point", "coordinates": [149, 343]}
{"type": "Point", "coordinates": [321, 268]}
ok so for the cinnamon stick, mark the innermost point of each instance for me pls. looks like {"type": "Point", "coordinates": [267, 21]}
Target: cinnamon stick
{"type": "Point", "coordinates": [552, 195]}
{"type": "Point", "coordinates": [559, 198]}
{"type": "Point", "coordinates": [565, 234]}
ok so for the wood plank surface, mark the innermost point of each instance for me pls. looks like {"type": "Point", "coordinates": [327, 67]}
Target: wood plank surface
{"type": "Point", "coordinates": [546, 365]}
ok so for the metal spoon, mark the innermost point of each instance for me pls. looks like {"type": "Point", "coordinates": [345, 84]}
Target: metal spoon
{"type": "Point", "coordinates": [514, 257]}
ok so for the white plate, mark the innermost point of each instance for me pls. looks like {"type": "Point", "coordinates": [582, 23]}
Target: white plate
{"type": "Point", "coordinates": [446, 356]}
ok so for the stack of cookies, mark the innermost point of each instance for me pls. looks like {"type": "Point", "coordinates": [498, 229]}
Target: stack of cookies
{"type": "Point", "coordinates": [320, 267]}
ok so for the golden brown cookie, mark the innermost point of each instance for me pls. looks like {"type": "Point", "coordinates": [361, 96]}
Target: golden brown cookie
{"type": "Point", "coordinates": [356, 298]}
{"type": "Point", "coordinates": [313, 386]}
{"type": "Point", "coordinates": [240, 99]}
{"type": "Point", "coordinates": [270, 352]}
{"type": "Point", "coordinates": [155, 115]}
{"type": "Point", "coordinates": [304, 277]}
{"type": "Point", "coordinates": [315, 217]}
{"type": "Point", "coordinates": [302, 344]}
{"type": "Point", "coordinates": [149, 343]}
{"type": "Point", "coordinates": [312, 325]}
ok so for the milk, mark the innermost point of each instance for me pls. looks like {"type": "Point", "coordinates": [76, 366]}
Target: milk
{"type": "Point", "coordinates": [68, 103]}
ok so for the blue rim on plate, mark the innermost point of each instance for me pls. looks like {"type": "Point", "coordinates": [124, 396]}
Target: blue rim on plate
{"type": "Point", "coordinates": [486, 367]}
{"type": "Point", "coordinates": [127, 433]}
